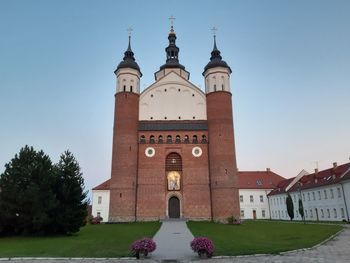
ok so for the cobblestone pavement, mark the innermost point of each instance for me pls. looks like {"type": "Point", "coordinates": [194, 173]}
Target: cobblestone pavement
{"type": "Point", "coordinates": [336, 250]}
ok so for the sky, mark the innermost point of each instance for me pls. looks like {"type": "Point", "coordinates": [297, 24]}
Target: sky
{"type": "Point", "coordinates": [290, 80]}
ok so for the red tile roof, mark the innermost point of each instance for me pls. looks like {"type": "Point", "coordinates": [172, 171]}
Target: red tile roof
{"type": "Point", "coordinates": [258, 179]}
{"type": "Point", "coordinates": [322, 178]}
{"type": "Point", "coordinates": [104, 186]}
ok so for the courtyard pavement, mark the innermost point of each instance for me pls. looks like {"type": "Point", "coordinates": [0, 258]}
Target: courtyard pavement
{"type": "Point", "coordinates": [336, 250]}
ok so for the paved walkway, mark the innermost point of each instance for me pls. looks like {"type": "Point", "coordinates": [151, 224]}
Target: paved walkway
{"type": "Point", "coordinates": [336, 250]}
{"type": "Point", "coordinates": [173, 242]}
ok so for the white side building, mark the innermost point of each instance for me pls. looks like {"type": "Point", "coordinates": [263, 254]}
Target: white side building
{"type": "Point", "coordinates": [325, 195]}
{"type": "Point", "coordinates": [100, 201]}
{"type": "Point", "coordinates": [254, 187]}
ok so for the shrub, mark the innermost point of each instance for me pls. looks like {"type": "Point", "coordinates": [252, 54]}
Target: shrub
{"type": "Point", "coordinates": [203, 245]}
{"type": "Point", "coordinates": [232, 220]}
{"type": "Point", "coordinates": [143, 246]}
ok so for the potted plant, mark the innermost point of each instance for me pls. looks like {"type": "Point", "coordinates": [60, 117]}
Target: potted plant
{"type": "Point", "coordinates": [203, 246]}
{"type": "Point", "coordinates": [142, 247]}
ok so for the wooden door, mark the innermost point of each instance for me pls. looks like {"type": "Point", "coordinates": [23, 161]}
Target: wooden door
{"type": "Point", "coordinates": [174, 207]}
{"type": "Point", "coordinates": [254, 214]}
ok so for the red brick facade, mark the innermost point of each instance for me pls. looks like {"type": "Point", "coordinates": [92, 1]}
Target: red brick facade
{"type": "Point", "coordinates": [124, 157]}
{"type": "Point", "coordinates": [208, 183]}
{"type": "Point", "coordinates": [222, 156]}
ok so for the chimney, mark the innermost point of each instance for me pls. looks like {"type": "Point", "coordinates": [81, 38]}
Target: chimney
{"type": "Point", "coordinates": [335, 165]}
{"type": "Point", "coordinates": [268, 170]}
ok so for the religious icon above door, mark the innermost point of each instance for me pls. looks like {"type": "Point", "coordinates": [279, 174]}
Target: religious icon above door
{"type": "Point", "coordinates": [173, 181]}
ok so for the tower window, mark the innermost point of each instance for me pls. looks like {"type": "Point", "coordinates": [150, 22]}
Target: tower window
{"type": "Point", "coordinates": [151, 139]}
{"type": "Point", "coordinates": [195, 139]}
{"type": "Point", "coordinates": [142, 139]}
{"type": "Point", "coordinates": [179, 117]}
{"type": "Point", "coordinates": [130, 88]}
{"type": "Point", "coordinates": [169, 139]}
{"type": "Point", "coordinates": [187, 139]}
{"type": "Point", "coordinates": [124, 88]}
{"type": "Point", "coordinates": [160, 139]}
{"type": "Point", "coordinates": [164, 90]}
{"type": "Point", "coordinates": [222, 86]}
{"type": "Point", "coordinates": [204, 139]}
{"type": "Point", "coordinates": [165, 117]}
{"type": "Point", "coordinates": [192, 95]}
{"type": "Point", "coordinates": [214, 87]}
{"type": "Point", "coordinates": [178, 139]}
{"type": "Point", "coordinates": [151, 95]}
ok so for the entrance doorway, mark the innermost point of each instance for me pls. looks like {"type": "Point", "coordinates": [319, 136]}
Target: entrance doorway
{"type": "Point", "coordinates": [174, 207]}
{"type": "Point", "coordinates": [254, 214]}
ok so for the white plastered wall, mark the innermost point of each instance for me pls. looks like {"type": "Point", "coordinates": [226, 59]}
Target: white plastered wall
{"type": "Point", "coordinates": [172, 98]}
{"type": "Point", "coordinates": [103, 206]}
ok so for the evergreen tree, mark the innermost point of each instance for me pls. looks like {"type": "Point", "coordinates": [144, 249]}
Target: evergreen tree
{"type": "Point", "coordinates": [290, 206]}
{"type": "Point", "coordinates": [301, 208]}
{"type": "Point", "coordinates": [72, 209]}
{"type": "Point", "coordinates": [27, 202]}
{"type": "Point", "coordinates": [37, 197]}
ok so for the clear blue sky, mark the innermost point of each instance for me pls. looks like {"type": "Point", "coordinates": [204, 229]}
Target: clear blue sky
{"type": "Point", "coordinates": [290, 81]}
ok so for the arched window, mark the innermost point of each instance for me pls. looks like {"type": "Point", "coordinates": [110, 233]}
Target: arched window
{"type": "Point", "coordinates": [160, 139]}
{"type": "Point", "coordinates": [173, 168]}
{"type": "Point", "coordinates": [186, 139]}
{"type": "Point", "coordinates": [195, 139]}
{"type": "Point", "coordinates": [178, 139]}
{"type": "Point", "coordinates": [151, 139]}
{"type": "Point", "coordinates": [130, 88]}
{"type": "Point", "coordinates": [214, 87]}
{"type": "Point", "coordinates": [124, 88]}
{"type": "Point", "coordinates": [142, 139]}
{"type": "Point", "coordinates": [204, 139]}
{"type": "Point", "coordinates": [169, 139]}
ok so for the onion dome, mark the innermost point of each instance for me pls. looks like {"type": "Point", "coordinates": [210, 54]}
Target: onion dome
{"type": "Point", "coordinates": [172, 52]}
{"type": "Point", "coordinates": [216, 59]}
{"type": "Point", "coordinates": [128, 60]}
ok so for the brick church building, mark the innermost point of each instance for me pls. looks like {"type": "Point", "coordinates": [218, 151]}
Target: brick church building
{"type": "Point", "coordinates": [173, 144]}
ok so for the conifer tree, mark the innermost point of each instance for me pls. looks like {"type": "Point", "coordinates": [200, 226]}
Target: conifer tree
{"type": "Point", "coordinates": [290, 206]}
{"type": "Point", "coordinates": [72, 209]}
{"type": "Point", "coordinates": [301, 208]}
{"type": "Point", "coordinates": [27, 200]}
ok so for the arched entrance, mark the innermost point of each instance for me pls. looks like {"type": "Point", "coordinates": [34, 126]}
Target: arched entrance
{"type": "Point", "coordinates": [174, 207]}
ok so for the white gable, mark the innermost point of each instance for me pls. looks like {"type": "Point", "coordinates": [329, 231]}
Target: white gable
{"type": "Point", "coordinates": [172, 98]}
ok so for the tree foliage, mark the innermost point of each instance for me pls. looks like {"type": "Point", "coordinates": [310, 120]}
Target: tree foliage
{"type": "Point", "coordinates": [38, 197]}
{"type": "Point", "coordinates": [301, 208]}
{"type": "Point", "coordinates": [290, 206]}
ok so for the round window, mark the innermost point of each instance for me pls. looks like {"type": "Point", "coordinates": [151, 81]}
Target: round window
{"type": "Point", "coordinates": [196, 151]}
{"type": "Point", "coordinates": [150, 152]}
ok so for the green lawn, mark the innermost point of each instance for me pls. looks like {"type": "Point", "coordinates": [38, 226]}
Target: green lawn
{"type": "Point", "coordinates": [254, 237]}
{"type": "Point", "coordinates": [110, 240]}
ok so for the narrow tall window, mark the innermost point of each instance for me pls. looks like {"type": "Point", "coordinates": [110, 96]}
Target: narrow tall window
{"type": "Point", "coordinates": [251, 199]}
{"type": "Point", "coordinates": [325, 194]}
{"type": "Point", "coordinates": [339, 193]}
{"type": "Point", "coordinates": [241, 198]}
{"type": "Point", "coordinates": [151, 139]}
{"type": "Point", "coordinates": [99, 200]}
{"type": "Point", "coordinates": [332, 194]}
{"type": "Point", "coordinates": [130, 88]}
{"type": "Point", "coordinates": [261, 199]}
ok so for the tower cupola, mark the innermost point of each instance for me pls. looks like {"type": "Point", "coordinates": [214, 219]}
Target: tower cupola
{"type": "Point", "coordinates": [216, 72]}
{"type": "Point", "coordinates": [216, 59]}
{"type": "Point", "coordinates": [172, 57]}
{"type": "Point", "coordinates": [128, 72]}
{"type": "Point", "coordinates": [128, 60]}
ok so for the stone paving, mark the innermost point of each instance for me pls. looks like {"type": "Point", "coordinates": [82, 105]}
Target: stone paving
{"type": "Point", "coordinates": [336, 250]}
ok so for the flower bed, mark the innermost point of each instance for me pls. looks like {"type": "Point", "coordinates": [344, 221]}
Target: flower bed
{"type": "Point", "coordinates": [143, 247]}
{"type": "Point", "coordinates": [203, 246]}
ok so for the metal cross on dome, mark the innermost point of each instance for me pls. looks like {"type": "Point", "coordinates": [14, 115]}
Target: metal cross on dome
{"type": "Point", "coordinates": [129, 30]}
{"type": "Point", "coordinates": [172, 18]}
{"type": "Point", "coordinates": [214, 29]}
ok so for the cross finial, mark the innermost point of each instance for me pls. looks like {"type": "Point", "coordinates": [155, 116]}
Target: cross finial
{"type": "Point", "coordinates": [171, 18]}
{"type": "Point", "coordinates": [214, 29]}
{"type": "Point", "coordinates": [129, 30]}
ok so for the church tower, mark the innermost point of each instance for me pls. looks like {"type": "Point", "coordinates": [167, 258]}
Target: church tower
{"type": "Point", "coordinates": [125, 140]}
{"type": "Point", "coordinates": [222, 155]}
